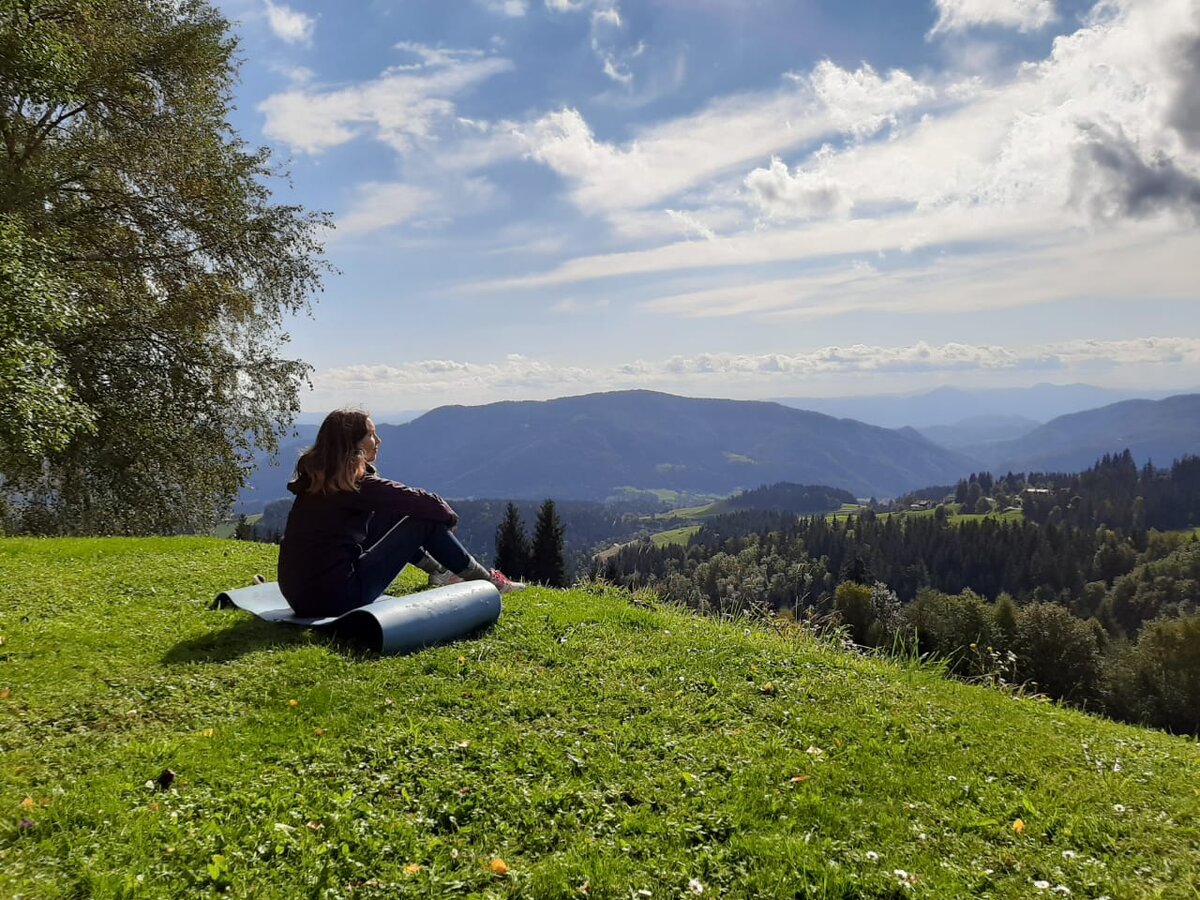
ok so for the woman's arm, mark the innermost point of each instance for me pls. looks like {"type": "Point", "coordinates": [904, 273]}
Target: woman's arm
{"type": "Point", "coordinates": [383, 495]}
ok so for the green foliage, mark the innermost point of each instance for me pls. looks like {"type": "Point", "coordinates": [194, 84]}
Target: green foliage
{"type": "Point", "coordinates": [1163, 587]}
{"type": "Point", "coordinates": [1057, 652]}
{"type": "Point", "coordinates": [872, 613]}
{"type": "Point", "coordinates": [1157, 680]}
{"type": "Point", "coordinates": [512, 545]}
{"type": "Point", "coordinates": [592, 737]}
{"type": "Point", "coordinates": [547, 565]}
{"type": "Point", "coordinates": [130, 207]}
{"type": "Point", "coordinates": [39, 411]}
{"type": "Point", "coordinates": [955, 626]}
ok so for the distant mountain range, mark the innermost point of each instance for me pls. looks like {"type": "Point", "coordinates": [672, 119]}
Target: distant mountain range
{"type": "Point", "coordinates": [1158, 431]}
{"type": "Point", "coordinates": [590, 447]}
{"type": "Point", "coordinates": [596, 446]}
{"type": "Point", "coordinates": [950, 405]}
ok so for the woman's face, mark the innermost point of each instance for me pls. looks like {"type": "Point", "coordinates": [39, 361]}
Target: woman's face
{"type": "Point", "coordinates": [370, 444]}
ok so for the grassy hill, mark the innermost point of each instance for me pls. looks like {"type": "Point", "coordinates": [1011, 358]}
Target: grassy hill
{"type": "Point", "coordinates": [600, 745]}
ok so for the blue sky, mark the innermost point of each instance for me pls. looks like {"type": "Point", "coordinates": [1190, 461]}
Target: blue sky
{"type": "Point", "coordinates": [735, 198]}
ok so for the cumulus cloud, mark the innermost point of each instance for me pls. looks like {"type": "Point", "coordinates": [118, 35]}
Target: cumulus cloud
{"type": "Point", "coordinates": [399, 106]}
{"type": "Point", "coordinates": [861, 102]}
{"type": "Point", "coordinates": [429, 382]}
{"type": "Point", "coordinates": [780, 194]}
{"type": "Point", "coordinates": [1105, 128]}
{"type": "Point", "coordinates": [667, 159]}
{"type": "Point", "coordinates": [288, 24]}
{"type": "Point", "coordinates": [1185, 108]}
{"type": "Point", "coordinates": [1114, 182]}
{"type": "Point", "coordinates": [1024, 15]}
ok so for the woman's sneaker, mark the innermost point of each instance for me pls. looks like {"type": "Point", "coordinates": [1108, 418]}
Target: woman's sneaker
{"type": "Point", "coordinates": [504, 584]}
{"type": "Point", "coordinates": [443, 578]}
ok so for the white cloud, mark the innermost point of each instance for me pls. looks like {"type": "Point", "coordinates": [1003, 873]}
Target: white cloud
{"type": "Point", "coordinates": [383, 205]}
{"type": "Point", "coordinates": [857, 237]}
{"type": "Point", "coordinates": [288, 24]}
{"type": "Point", "coordinates": [667, 159]}
{"type": "Point", "coordinates": [805, 194]}
{"type": "Point", "coordinates": [1105, 127]}
{"type": "Point", "coordinates": [430, 382]}
{"type": "Point", "coordinates": [396, 108]}
{"type": "Point", "coordinates": [860, 102]}
{"type": "Point", "coordinates": [1024, 15]}
{"type": "Point", "coordinates": [1132, 264]}
{"type": "Point", "coordinates": [513, 9]}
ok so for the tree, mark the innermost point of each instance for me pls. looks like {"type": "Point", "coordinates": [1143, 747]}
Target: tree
{"type": "Point", "coordinates": [512, 545]}
{"type": "Point", "coordinates": [547, 564]}
{"type": "Point", "coordinates": [133, 399]}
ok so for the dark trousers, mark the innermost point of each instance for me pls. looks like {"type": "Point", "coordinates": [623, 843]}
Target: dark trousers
{"type": "Point", "coordinates": [392, 543]}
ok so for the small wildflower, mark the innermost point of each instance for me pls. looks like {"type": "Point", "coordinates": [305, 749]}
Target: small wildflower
{"type": "Point", "coordinates": [951, 778]}
{"type": "Point", "coordinates": [412, 869]}
{"type": "Point", "coordinates": [312, 825]}
{"type": "Point", "coordinates": [815, 751]}
{"type": "Point", "coordinates": [1061, 889]}
{"type": "Point", "coordinates": [1117, 807]}
{"type": "Point", "coordinates": [498, 867]}
{"type": "Point", "coordinates": [207, 732]}
{"type": "Point", "coordinates": [27, 803]}
{"type": "Point", "coordinates": [872, 856]}
{"type": "Point", "coordinates": [25, 824]}
{"type": "Point", "coordinates": [1019, 826]}
{"type": "Point", "coordinates": [293, 702]}
{"type": "Point", "coordinates": [695, 886]}
{"type": "Point", "coordinates": [1068, 854]}
{"type": "Point", "coordinates": [1042, 885]}
{"type": "Point", "coordinates": [319, 732]}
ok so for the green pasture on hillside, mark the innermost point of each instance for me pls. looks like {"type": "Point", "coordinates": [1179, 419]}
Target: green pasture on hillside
{"type": "Point", "coordinates": [676, 536]}
{"type": "Point", "coordinates": [597, 743]}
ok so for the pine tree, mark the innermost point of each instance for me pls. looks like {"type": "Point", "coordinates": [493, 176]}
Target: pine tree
{"type": "Point", "coordinates": [548, 565]}
{"type": "Point", "coordinates": [512, 545]}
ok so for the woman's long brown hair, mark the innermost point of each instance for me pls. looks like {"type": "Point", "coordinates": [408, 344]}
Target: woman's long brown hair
{"type": "Point", "coordinates": [335, 462]}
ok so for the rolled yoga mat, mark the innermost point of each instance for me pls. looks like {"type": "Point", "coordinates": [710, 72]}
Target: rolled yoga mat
{"type": "Point", "coordinates": [390, 624]}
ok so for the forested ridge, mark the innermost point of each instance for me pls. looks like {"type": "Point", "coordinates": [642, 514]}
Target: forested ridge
{"type": "Point", "coordinates": [1092, 594]}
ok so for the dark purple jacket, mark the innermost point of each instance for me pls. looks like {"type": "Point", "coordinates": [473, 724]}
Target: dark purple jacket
{"type": "Point", "coordinates": [325, 533]}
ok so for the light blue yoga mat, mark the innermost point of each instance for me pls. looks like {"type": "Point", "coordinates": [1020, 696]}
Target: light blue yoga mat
{"type": "Point", "coordinates": [390, 624]}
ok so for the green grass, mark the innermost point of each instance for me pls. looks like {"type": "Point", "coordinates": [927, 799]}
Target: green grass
{"type": "Point", "coordinates": [590, 738]}
{"type": "Point", "coordinates": [676, 536]}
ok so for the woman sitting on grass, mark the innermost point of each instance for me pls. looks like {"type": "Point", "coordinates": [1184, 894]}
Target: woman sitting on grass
{"type": "Point", "coordinates": [350, 532]}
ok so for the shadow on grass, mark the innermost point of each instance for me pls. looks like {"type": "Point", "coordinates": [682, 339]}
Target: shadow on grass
{"type": "Point", "coordinates": [249, 634]}
{"type": "Point", "coordinates": [246, 635]}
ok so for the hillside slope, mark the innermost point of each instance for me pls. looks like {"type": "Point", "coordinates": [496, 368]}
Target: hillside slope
{"type": "Point", "coordinates": [1153, 430]}
{"type": "Point", "coordinates": [590, 741]}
